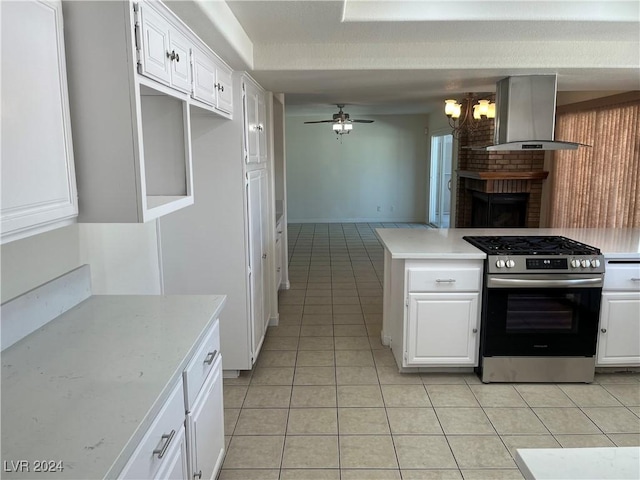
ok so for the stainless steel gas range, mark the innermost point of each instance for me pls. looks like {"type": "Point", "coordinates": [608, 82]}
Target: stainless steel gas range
{"type": "Point", "coordinates": [540, 310]}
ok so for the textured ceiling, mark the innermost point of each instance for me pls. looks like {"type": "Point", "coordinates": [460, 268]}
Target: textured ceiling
{"type": "Point", "coordinates": [407, 56]}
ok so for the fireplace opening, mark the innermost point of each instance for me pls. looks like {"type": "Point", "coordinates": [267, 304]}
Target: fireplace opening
{"type": "Point", "coordinates": [499, 210]}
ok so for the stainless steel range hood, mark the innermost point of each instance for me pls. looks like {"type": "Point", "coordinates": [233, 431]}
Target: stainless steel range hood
{"type": "Point", "coordinates": [526, 114]}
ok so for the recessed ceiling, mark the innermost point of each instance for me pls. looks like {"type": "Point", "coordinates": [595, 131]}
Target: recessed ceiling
{"type": "Point", "coordinates": [385, 56]}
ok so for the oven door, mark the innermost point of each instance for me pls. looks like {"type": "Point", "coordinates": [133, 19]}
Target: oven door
{"type": "Point", "coordinates": [541, 315]}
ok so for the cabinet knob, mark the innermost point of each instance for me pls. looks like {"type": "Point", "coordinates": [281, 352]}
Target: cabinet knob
{"type": "Point", "coordinates": [171, 55]}
{"type": "Point", "coordinates": [475, 330]}
{"type": "Point", "coordinates": [264, 255]}
{"type": "Point", "coordinates": [177, 57]}
{"type": "Point", "coordinates": [219, 86]}
{"type": "Point", "coordinates": [198, 475]}
{"type": "Point", "coordinates": [603, 330]}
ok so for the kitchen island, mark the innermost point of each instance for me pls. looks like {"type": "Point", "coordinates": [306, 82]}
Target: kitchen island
{"type": "Point", "coordinates": [432, 294]}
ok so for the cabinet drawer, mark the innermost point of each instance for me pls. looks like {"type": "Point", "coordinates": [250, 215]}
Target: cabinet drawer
{"type": "Point", "coordinates": [444, 280]}
{"type": "Point", "coordinates": [201, 364]}
{"type": "Point", "coordinates": [622, 276]}
{"type": "Point", "coordinates": [150, 455]}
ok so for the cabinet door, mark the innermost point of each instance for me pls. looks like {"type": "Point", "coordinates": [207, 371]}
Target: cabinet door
{"type": "Point", "coordinates": [180, 66]}
{"type": "Point", "coordinates": [175, 467]}
{"type": "Point", "coordinates": [278, 261]}
{"type": "Point", "coordinates": [155, 54]}
{"type": "Point", "coordinates": [619, 329]}
{"type": "Point", "coordinates": [442, 329]}
{"type": "Point", "coordinates": [256, 193]}
{"type": "Point", "coordinates": [251, 125]}
{"type": "Point", "coordinates": [205, 428]}
{"type": "Point", "coordinates": [204, 77]}
{"type": "Point", "coordinates": [224, 98]}
{"type": "Point", "coordinates": [38, 177]}
{"type": "Point", "coordinates": [262, 128]}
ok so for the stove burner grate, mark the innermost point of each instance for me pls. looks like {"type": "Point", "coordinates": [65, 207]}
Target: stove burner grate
{"type": "Point", "coordinates": [530, 245]}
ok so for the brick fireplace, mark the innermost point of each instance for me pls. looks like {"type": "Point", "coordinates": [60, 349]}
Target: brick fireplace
{"type": "Point", "coordinates": [504, 180]}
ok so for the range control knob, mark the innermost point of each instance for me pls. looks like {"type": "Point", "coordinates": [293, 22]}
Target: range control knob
{"type": "Point", "coordinates": [510, 264]}
{"type": "Point", "coordinates": [585, 263]}
{"type": "Point", "coordinates": [575, 263]}
{"type": "Point", "coordinates": [500, 263]}
{"type": "Point", "coordinates": [595, 263]}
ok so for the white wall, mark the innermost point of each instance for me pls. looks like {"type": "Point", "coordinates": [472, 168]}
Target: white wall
{"type": "Point", "coordinates": [123, 258]}
{"type": "Point", "coordinates": [35, 260]}
{"type": "Point", "coordinates": [383, 164]}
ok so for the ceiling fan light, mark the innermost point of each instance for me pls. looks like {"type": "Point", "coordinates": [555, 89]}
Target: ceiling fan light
{"type": "Point", "coordinates": [347, 126]}
{"type": "Point", "coordinates": [337, 127]}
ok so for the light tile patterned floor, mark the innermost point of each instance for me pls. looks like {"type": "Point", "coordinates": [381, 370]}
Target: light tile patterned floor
{"type": "Point", "coordinates": [325, 400]}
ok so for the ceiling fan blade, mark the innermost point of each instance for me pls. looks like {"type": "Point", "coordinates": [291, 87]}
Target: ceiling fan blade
{"type": "Point", "coordinates": [322, 121]}
{"type": "Point", "coordinates": [363, 121]}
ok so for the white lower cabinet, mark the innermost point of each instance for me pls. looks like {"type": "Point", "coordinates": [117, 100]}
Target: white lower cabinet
{"type": "Point", "coordinates": [175, 464]}
{"type": "Point", "coordinates": [442, 329]}
{"type": "Point", "coordinates": [618, 344]}
{"type": "Point", "coordinates": [186, 438]}
{"type": "Point", "coordinates": [163, 442]}
{"type": "Point", "coordinates": [432, 312]}
{"type": "Point", "coordinates": [205, 431]}
{"type": "Point", "coordinates": [619, 335]}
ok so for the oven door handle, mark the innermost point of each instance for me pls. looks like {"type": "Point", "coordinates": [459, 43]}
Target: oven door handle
{"type": "Point", "coordinates": [522, 282]}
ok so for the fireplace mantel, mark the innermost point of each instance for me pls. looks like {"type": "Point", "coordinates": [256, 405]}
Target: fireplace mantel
{"type": "Point", "coordinates": [503, 175]}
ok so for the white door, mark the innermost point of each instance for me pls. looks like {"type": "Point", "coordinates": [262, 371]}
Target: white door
{"type": "Point", "coordinates": [440, 181]}
{"type": "Point", "coordinates": [442, 329]}
{"type": "Point", "coordinates": [205, 427]}
{"type": "Point", "coordinates": [619, 329]}
{"type": "Point", "coordinates": [256, 192]}
{"type": "Point", "coordinates": [224, 90]}
{"type": "Point", "coordinates": [204, 75]}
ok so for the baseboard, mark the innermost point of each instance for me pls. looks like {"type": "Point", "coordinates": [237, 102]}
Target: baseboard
{"type": "Point", "coordinates": [354, 220]}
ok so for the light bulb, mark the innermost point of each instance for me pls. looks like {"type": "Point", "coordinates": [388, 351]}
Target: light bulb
{"type": "Point", "coordinates": [337, 127]}
{"type": "Point", "coordinates": [476, 112]}
{"type": "Point", "coordinates": [457, 110]}
{"type": "Point", "coordinates": [449, 107]}
{"type": "Point", "coordinates": [492, 111]}
{"type": "Point", "coordinates": [347, 126]}
{"type": "Point", "coordinates": [483, 108]}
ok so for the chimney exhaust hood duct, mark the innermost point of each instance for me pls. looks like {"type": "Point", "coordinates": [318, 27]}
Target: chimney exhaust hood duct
{"type": "Point", "coordinates": [526, 114]}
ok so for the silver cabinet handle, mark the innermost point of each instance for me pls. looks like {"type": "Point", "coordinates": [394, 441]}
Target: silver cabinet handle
{"type": "Point", "coordinates": [445, 280]}
{"type": "Point", "coordinates": [171, 55]}
{"type": "Point", "coordinates": [198, 475]}
{"type": "Point", "coordinates": [210, 356]}
{"type": "Point", "coordinates": [603, 330]}
{"type": "Point", "coordinates": [635, 279]}
{"type": "Point", "coordinates": [475, 330]}
{"type": "Point", "coordinates": [264, 255]}
{"type": "Point", "coordinates": [177, 57]}
{"type": "Point", "coordinates": [219, 86]}
{"type": "Point", "coordinates": [162, 450]}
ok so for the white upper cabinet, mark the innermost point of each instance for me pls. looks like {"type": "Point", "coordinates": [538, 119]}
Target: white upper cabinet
{"type": "Point", "coordinates": [38, 178]}
{"type": "Point", "coordinates": [131, 83]}
{"type": "Point", "coordinates": [254, 123]}
{"type": "Point", "coordinates": [154, 44]}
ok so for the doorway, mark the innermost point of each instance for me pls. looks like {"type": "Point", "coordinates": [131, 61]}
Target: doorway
{"type": "Point", "coordinates": [440, 181]}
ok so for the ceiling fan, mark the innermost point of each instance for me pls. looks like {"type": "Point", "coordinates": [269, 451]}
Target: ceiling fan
{"type": "Point", "coordinates": [341, 122]}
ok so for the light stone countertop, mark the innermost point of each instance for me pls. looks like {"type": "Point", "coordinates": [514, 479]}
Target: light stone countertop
{"type": "Point", "coordinates": [84, 388]}
{"type": "Point", "coordinates": [606, 463]}
{"type": "Point", "coordinates": [410, 243]}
